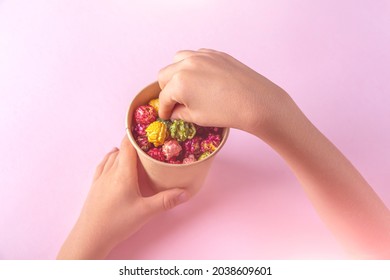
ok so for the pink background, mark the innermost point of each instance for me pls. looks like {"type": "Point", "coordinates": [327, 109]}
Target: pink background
{"type": "Point", "coordinates": [69, 69]}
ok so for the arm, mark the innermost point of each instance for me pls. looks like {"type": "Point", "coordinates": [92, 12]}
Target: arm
{"type": "Point", "coordinates": [209, 88]}
{"type": "Point", "coordinates": [114, 208]}
{"type": "Point", "coordinates": [343, 199]}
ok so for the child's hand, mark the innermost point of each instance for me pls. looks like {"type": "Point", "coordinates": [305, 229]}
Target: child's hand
{"type": "Point", "coordinates": [115, 208]}
{"type": "Point", "coordinates": [211, 88]}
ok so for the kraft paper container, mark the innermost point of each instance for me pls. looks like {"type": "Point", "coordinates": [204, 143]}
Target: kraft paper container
{"type": "Point", "coordinates": [161, 175]}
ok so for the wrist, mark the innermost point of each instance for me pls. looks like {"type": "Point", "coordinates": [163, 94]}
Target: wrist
{"type": "Point", "coordinates": [287, 130]}
{"type": "Point", "coordinates": [84, 242]}
{"type": "Point", "coordinates": [273, 115]}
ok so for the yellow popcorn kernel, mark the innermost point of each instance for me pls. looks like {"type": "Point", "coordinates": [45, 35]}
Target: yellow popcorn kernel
{"type": "Point", "coordinates": [155, 103]}
{"type": "Point", "coordinates": [156, 133]}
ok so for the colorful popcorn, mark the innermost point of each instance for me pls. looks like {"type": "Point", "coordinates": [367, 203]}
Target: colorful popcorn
{"type": "Point", "coordinates": [182, 130]}
{"type": "Point", "coordinates": [157, 154]}
{"type": "Point", "coordinates": [145, 114]}
{"type": "Point", "coordinates": [192, 146]}
{"type": "Point", "coordinates": [214, 130]}
{"type": "Point", "coordinates": [211, 143]}
{"type": "Point", "coordinates": [171, 148]}
{"type": "Point", "coordinates": [139, 129]}
{"type": "Point", "coordinates": [143, 143]}
{"type": "Point", "coordinates": [156, 132]}
{"type": "Point", "coordinates": [204, 155]}
{"type": "Point", "coordinates": [155, 103]}
{"type": "Point", "coordinates": [203, 131]}
{"type": "Point", "coordinates": [173, 141]}
{"type": "Point", "coordinates": [190, 159]}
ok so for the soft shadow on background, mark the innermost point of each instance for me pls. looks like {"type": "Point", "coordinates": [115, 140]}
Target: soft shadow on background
{"type": "Point", "coordinates": [227, 182]}
{"type": "Point", "coordinates": [240, 198]}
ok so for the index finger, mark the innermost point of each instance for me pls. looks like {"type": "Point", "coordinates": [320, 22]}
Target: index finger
{"type": "Point", "coordinates": [168, 99]}
{"type": "Point", "coordinates": [183, 54]}
{"type": "Point", "coordinates": [166, 73]}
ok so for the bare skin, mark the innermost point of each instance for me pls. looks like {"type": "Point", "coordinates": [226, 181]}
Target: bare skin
{"type": "Point", "coordinates": [115, 208]}
{"type": "Point", "coordinates": [192, 89]}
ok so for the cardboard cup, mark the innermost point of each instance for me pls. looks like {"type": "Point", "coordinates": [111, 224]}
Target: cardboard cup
{"type": "Point", "coordinates": [161, 175]}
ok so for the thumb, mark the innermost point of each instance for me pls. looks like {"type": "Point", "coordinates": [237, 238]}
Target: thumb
{"type": "Point", "coordinates": [166, 200]}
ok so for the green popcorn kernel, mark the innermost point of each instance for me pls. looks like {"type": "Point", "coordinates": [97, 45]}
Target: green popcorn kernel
{"type": "Point", "coordinates": [204, 155]}
{"type": "Point", "coordinates": [182, 130]}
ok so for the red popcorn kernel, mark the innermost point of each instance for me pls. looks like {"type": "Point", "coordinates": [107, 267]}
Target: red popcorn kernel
{"type": "Point", "coordinates": [173, 141]}
{"type": "Point", "coordinates": [171, 149]}
{"type": "Point", "coordinates": [201, 130]}
{"type": "Point", "coordinates": [143, 143]}
{"type": "Point", "coordinates": [214, 138]}
{"type": "Point", "coordinates": [192, 146]}
{"type": "Point", "coordinates": [157, 154]}
{"type": "Point", "coordinates": [145, 114]}
{"type": "Point", "coordinates": [211, 143]}
{"type": "Point", "coordinates": [139, 129]}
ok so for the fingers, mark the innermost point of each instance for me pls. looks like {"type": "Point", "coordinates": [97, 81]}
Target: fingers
{"type": "Point", "coordinates": [111, 159]}
{"type": "Point", "coordinates": [168, 100]}
{"type": "Point", "coordinates": [166, 200]}
{"type": "Point", "coordinates": [205, 50]}
{"type": "Point", "coordinates": [169, 79]}
{"type": "Point", "coordinates": [183, 54]}
{"type": "Point", "coordinates": [127, 157]}
{"type": "Point", "coordinates": [172, 79]}
{"type": "Point", "coordinates": [167, 73]}
{"type": "Point", "coordinates": [181, 112]}
{"type": "Point", "coordinates": [106, 163]}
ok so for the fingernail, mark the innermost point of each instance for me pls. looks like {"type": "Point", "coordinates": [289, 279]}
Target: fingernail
{"type": "Point", "coordinates": [114, 150]}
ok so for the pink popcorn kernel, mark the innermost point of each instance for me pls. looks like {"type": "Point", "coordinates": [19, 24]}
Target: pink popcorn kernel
{"type": "Point", "coordinates": [139, 129]}
{"type": "Point", "coordinates": [214, 138]}
{"type": "Point", "coordinates": [211, 143]}
{"type": "Point", "coordinates": [143, 143]}
{"type": "Point", "coordinates": [157, 154]}
{"type": "Point", "coordinates": [192, 146]}
{"type": "Point", "coordinates": [145, 114]}
{"type": "Point", "coordinates": [171, 149]}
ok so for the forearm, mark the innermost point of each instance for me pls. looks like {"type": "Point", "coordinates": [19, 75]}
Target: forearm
{"type": "Point", "coordinates": [214, 89]}
{"type": "Point", "coordinates": [84, 244]}
{"type": "Point", "coordinates": [341, 196]}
